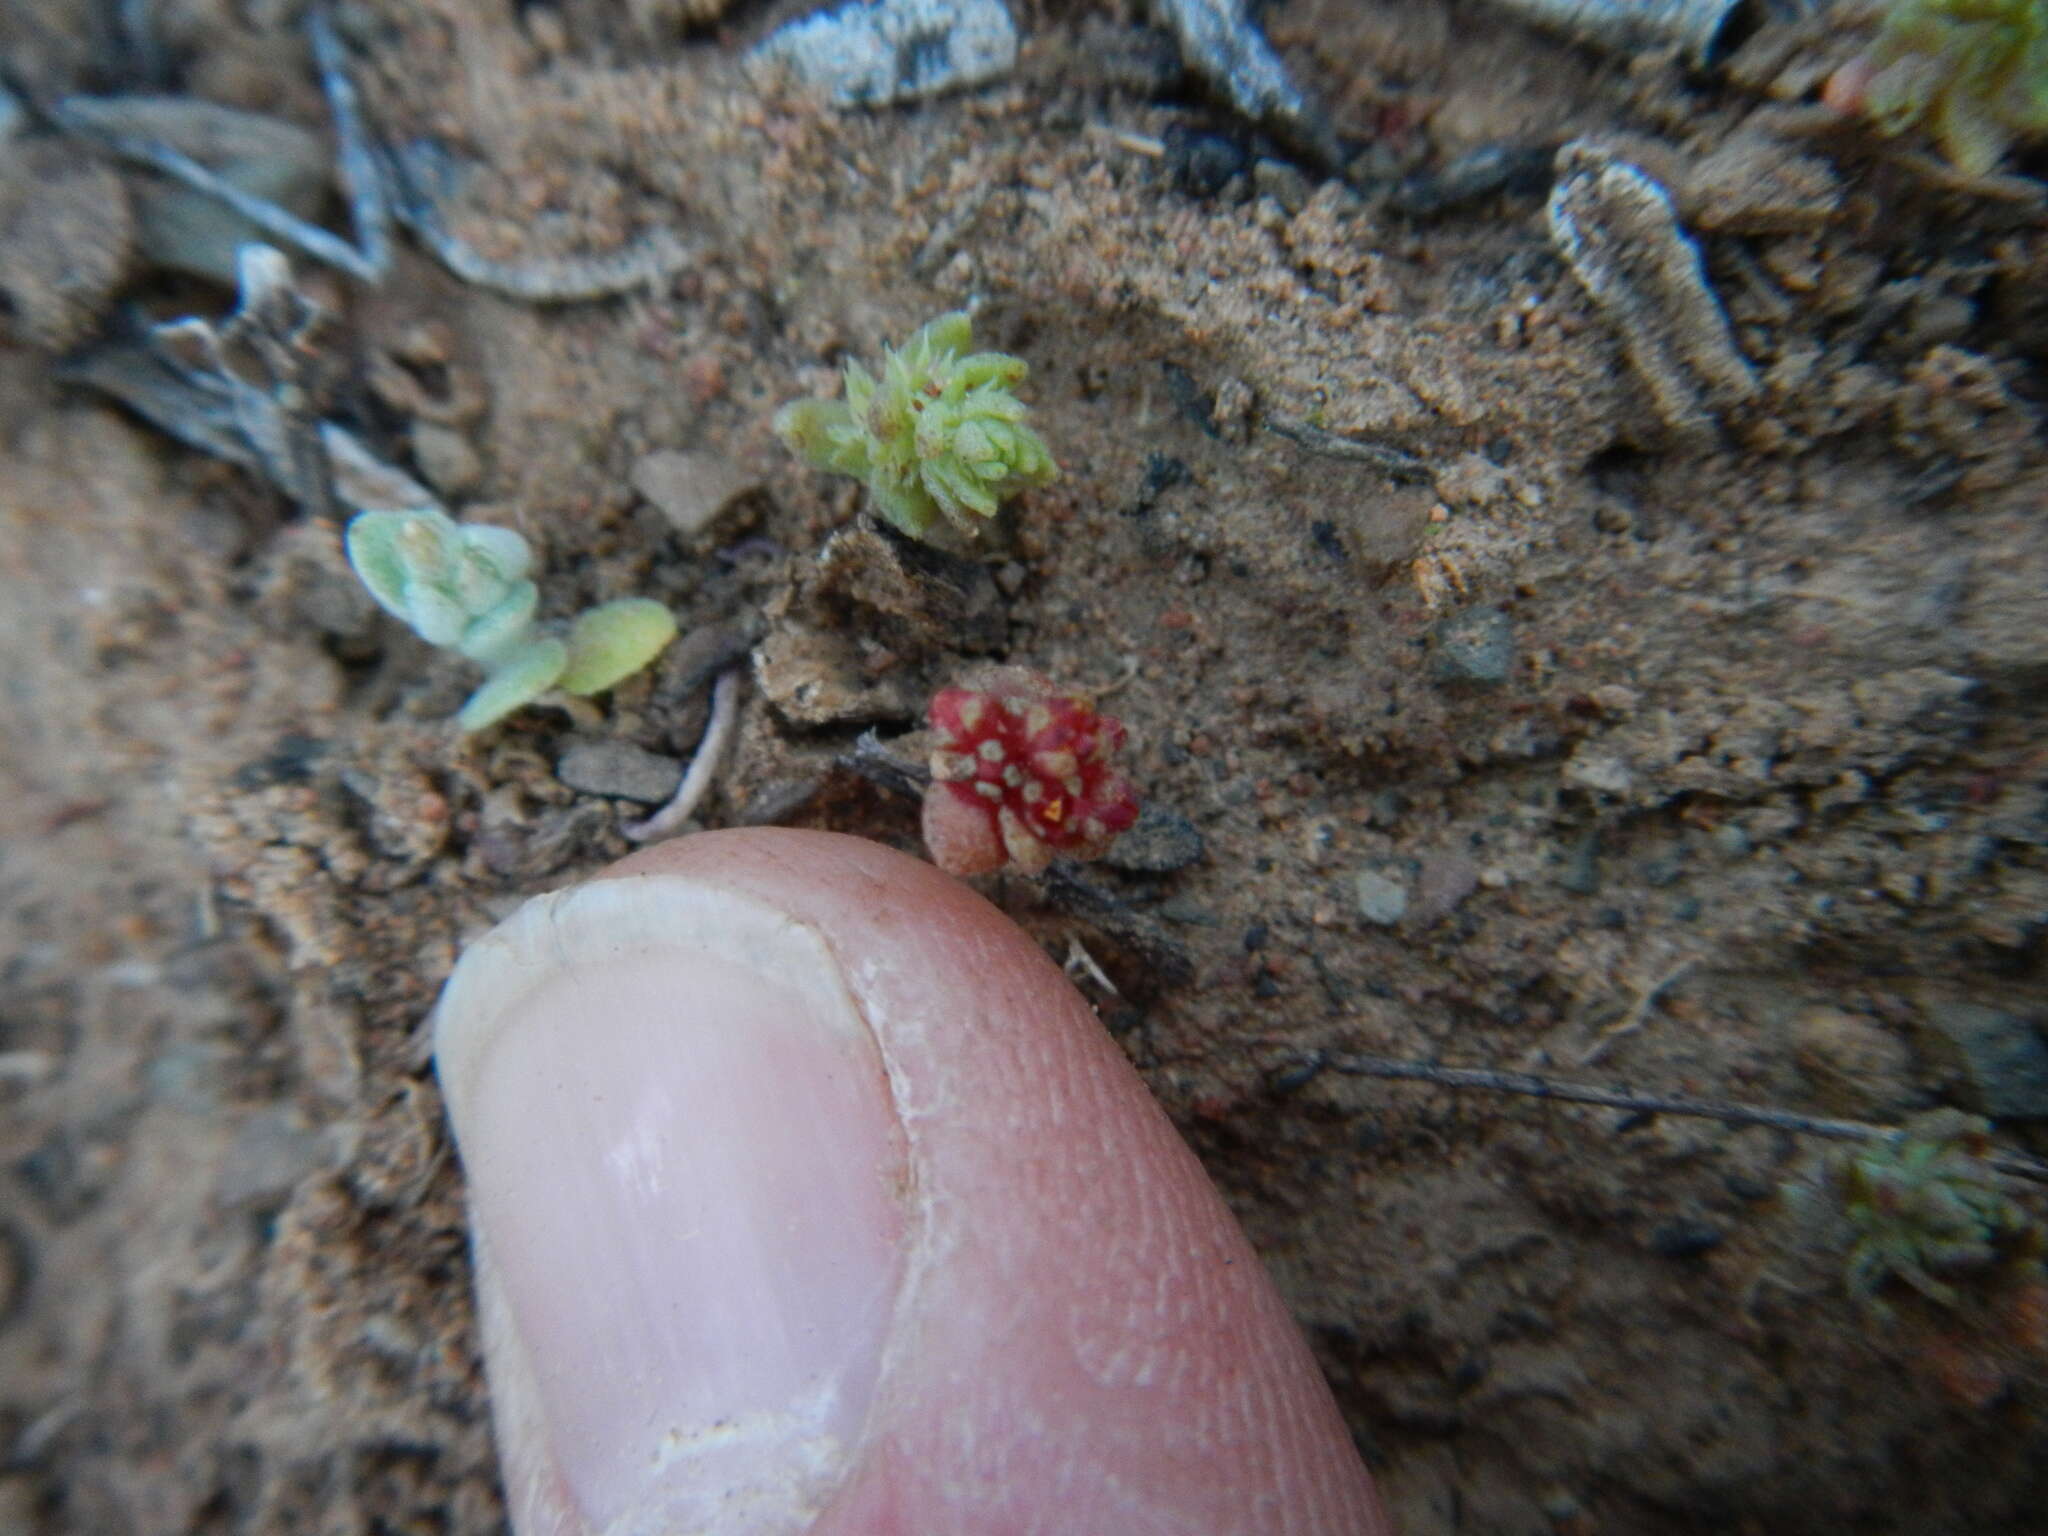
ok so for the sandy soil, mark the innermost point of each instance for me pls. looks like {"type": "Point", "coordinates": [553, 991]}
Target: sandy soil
{"type": "Point", "coordinates": [1713, 763]}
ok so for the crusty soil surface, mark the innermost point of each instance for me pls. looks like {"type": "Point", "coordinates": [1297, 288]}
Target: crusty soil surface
{"type": "Point", "coordinates": [1710, 762]}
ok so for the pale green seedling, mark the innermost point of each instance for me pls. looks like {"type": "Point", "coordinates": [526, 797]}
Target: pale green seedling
{"type": "Point", "coordinates": [465, 587]}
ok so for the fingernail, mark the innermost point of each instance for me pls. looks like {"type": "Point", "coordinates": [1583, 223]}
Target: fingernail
{"type": "Point", "coordinates": [688, 1173]}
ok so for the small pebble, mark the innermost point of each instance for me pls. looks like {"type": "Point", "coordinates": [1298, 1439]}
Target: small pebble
{"type": "Point", "coordinates": [1685, 1239]}
{"type": "Point", "coordinates": [694, 490]}
{"type": "Point", "coordinates": [1581, 872]}
{"type": "Point", "coordinates": [2002, 1057]}
{"type": "Point", "coordinates": [1475, 646]}
{"type": "Point", "coordinates": [191, 1077]}
{"type": "Point", "coordinates": [1160, 842]}
{"type": "Point", "coordinates": [270, 1153]}
{"type": "Point", "coordinates": [1590, 768]}
{"type": "Point", "coordinates": [1853, 1064]}
{"type": "Point", "coordinates": [895, 50]}
{"type": "Point", "coordinates": [1381, 899]}
{"type": "Point", "coordinates": [1202, 163]}
{"type": "Point", "coordinates": [620, 770]}
{"type": "Point", "coordinates": [1668, 869]}
{"type": "Point", "coordinates": [1447, 878]}
{"type": "Point", "coordinates": [1221, 42]}
{"type": "Point", "coordinates": [446, 458]}
{"type": "Point", "coordinates": [1283, 183]}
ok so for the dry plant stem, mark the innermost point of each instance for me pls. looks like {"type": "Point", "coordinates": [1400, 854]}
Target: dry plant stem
{"type": "Point", "coordinates": [2015, 1164]}
{"type": "Point", "coordinates": [266, 216]}
{"type": "Point", "coordinates": [1638, 1013]}
{"type": "Point", "coordinates": [718, 733]}
{"type": "Point", "coordinates": [361, 176]}
{"type": "Point", "coordinates": [1400, 467]}
{"type": "Point", "coordinates": [382, 185]}
{"type": "Point", "coordinates": [873, 762]}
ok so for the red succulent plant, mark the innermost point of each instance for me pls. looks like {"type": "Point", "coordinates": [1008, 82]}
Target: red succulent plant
{"type": "Point", "coordinates": [1021, 774]}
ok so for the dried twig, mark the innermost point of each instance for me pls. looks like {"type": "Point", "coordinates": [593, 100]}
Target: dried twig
{"type": "Point", "coordinates": [267, 216]}
{"type": "Point", "coordinates": [875, 763]}
{"type": "Point", "coordinates": [355, 153]}
{"type": "Point", "coordinates": [2016, 1164]}
{"type": "Point", "coordinates": [697, 779]}
{"type": "Point", "coordinates": [1638, 1012]}
{"type": "Point", "coordinates": [1401, 467]}
{"type": "Point", "coordinates": [421, 176]}
{"type": "Point", "coordinates": [384, 183]}
{"type": "Point", "coordinates": [272, 414]}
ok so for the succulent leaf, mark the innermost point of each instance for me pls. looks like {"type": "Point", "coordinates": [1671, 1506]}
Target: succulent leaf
{"type": "Point", "coordinates": [613, 641]}
{"type": "Point", "coordinates": [520, 679]}
{"type": "Point", "coordinates": [1973, 72]}
{"type": "Point", "coordinates": [372, 545]}
{"type": "Point", "coordinates": [491, 636]}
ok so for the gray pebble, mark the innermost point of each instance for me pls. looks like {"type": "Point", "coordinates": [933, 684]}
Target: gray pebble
{"type": "Point", "coordinates": [270, 1153]}
{"type": "Point", "coordinates": [1221, 42]}
{"type": "Point", "coordinates": [446, 458]}
{"type": "Point", "coordinates": [1475, 646]}
{"type": "Point", "coordinates": [1381, 899]}
{"type": "Point", "coordinates": [2003, 1059]}
{"type": "Point", "coordinates": [1667, 869]}
{"type": "Point", "coordinates": [1732, 840]}
{"type": "Point", "coordinates": [1447, 878]}
{"type": "Point", "coordinates": [1283, 183]}
{"type": "Point", "coordinates": [694, 490]}
{"type": "Point", "coordinates": [897, 50]}
{"type": "Point", "coordinates": [1160, 842]}
{"type": "Point", "coordinates": [1853, 1065]}
{"type": "Point", "coordinates": [621, 770]}
{"type": "Point", "coordinates": [190, 1078]}
{"type": "Point", "coordinates": [1685, 1238]}
{"type": "Point", "coordinates": [1581, 872]}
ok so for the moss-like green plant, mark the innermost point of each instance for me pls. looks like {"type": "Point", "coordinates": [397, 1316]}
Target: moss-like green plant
{"type": "Point", "coordinates": [464, 586]}
{"type": "Point", "coordinates": [940, 431]}
{"type": "Point", "coordinates": [1973, 72]}
{"type": "Point", "coordinates": [1927, 1209]}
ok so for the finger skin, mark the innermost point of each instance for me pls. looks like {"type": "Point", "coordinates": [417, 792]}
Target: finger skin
{"type": "Point", "coordinates": [1083, 1341]}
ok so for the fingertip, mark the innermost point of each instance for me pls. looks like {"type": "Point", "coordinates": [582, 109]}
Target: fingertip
{"type": "Point", "coordinates": [1071, 1333]}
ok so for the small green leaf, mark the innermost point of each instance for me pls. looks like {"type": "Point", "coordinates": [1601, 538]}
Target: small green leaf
{"type": "Point", "coordinates": [507, 553]}
{"type": "Point", "coordinates": [372, 544]}
{"type": "Point", "coordinates": [951, 332]}
{"type": "Point", "coordinates": [520, 679]}
{"type": "Point", "coordinates": [613, 641]}
{"type": "Point", "coordinates": [434, 616]}
{"type": "Point", "coordinates": [493, 635]}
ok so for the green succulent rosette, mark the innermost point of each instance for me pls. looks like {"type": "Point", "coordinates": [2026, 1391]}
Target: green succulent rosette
{"type": "Point", "coordinates": [939, 431]}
